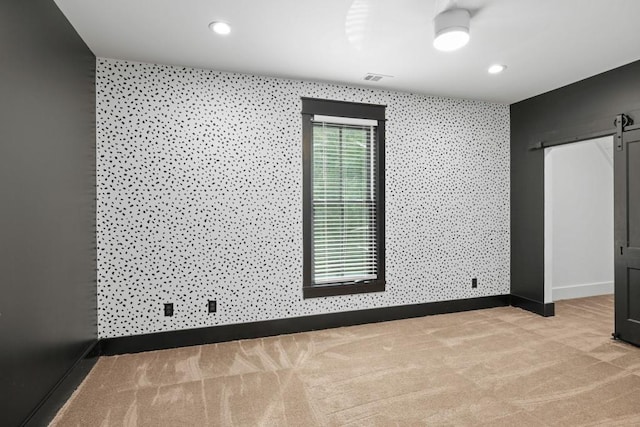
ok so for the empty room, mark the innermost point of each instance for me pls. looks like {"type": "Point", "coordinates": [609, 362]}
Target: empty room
{"type": "Point", "coordinates": [337, 213]}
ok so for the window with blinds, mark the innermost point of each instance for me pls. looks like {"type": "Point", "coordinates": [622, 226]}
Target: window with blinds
{"type": "Point", "coordinates": [344, 200]}
{"type": "Point", "coordinates": [343, 190]}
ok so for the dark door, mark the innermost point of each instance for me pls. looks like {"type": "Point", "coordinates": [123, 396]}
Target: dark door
{"type": "Point", "coordinates": [627, 235]}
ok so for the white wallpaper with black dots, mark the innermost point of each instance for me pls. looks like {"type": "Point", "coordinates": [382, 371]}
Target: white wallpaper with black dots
{"type": "Point", "coordinates": [200, 197]}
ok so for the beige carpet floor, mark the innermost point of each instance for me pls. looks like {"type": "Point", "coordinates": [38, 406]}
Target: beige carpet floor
{"type": "Point", "coordinates": [497, 367]}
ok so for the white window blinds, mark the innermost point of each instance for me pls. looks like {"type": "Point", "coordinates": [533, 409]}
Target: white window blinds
{"type": "Point", "coordinates": [344, 200]}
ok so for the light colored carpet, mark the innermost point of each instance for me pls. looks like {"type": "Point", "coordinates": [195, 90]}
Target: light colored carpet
{"type": "Point", "coordinates": [498, 367]}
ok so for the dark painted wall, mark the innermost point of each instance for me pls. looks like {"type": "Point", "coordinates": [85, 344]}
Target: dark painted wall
{"type": "Point", "coordinates": [578, 109]}
{"type": "Point", "coordinates": [47, 202]}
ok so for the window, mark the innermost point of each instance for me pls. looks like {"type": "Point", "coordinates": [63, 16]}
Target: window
{"type": "Point", "coordinates": [343, 157]}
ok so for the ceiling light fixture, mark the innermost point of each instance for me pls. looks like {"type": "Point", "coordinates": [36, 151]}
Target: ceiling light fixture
{"type": "Point", "coordinates": [451, 29]}
{"type": "Point", "coordinates": [220, 27]}
{"type": "Point", "coordinates": [497, 68]}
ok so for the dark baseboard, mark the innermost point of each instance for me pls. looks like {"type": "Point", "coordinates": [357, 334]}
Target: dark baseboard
{"type": "Point", "coordinates": [49, 406]}
{"type": "Point", "coordinates": [546, 310]}
{"type": "Point", "coordinates": [215, 334]}
{"type": "Point", "coordinates": [56, 398]}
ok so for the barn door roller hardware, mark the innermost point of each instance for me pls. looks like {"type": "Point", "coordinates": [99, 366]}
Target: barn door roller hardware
{"type": "Point", "coordinates": [621, 121]}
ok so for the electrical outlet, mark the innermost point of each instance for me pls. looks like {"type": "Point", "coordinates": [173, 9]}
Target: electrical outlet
{"type": "Point", "coordinates": [212, 306]}
{"type": "Point", "coordinates": [168, 309]}
{"type": "Point", "coordinates": [474, 283]}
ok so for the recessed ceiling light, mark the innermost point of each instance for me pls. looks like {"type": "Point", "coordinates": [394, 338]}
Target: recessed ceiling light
{"type": "Point", "coordinates": [497, 68]}
{"type": "Point", "coordinates": [220, 27]}
{"type": "Point", "coordinates": [451, 29]}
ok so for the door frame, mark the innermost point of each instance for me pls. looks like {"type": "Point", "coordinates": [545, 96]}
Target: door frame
{"type": "Point", "coordinates": [548, 256]}
{"type": "Point", "coordinates": [621, 123]}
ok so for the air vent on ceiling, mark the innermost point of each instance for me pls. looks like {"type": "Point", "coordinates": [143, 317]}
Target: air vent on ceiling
{"type": "Point", "coordinates": [371, 77]}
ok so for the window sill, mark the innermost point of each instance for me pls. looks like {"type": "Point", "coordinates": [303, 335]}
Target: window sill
{"type": "Point", "coordinates": [316, 291]}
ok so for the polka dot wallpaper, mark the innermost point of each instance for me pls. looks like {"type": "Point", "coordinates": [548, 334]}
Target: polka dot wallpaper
{"type": "Point", "coordinates": [200, 197]}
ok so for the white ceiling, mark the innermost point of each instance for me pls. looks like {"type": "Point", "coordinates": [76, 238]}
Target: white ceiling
{"type": "Point", "coordinates": [546, 44]}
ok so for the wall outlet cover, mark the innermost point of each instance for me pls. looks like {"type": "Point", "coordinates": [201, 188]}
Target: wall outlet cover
{"type": "Point", "coordinates": [168, 309]}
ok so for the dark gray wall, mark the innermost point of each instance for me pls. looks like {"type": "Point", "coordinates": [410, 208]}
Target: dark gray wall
{"type": "Point", "coordinates": [578, 109]}
{"type": "Point", "coordinates": [47, 203]}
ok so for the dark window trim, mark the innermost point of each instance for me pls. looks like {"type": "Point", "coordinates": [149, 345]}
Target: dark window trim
{"type": "Point", "coordinates": [355, 110]}
{"type": "Point", "coordinates": [310, 107]}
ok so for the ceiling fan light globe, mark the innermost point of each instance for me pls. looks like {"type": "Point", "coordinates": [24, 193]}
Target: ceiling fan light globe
{"type": "Point", "coordinates": [451, 29]}
{"type": "Point", "coordinates": [452, 39]}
